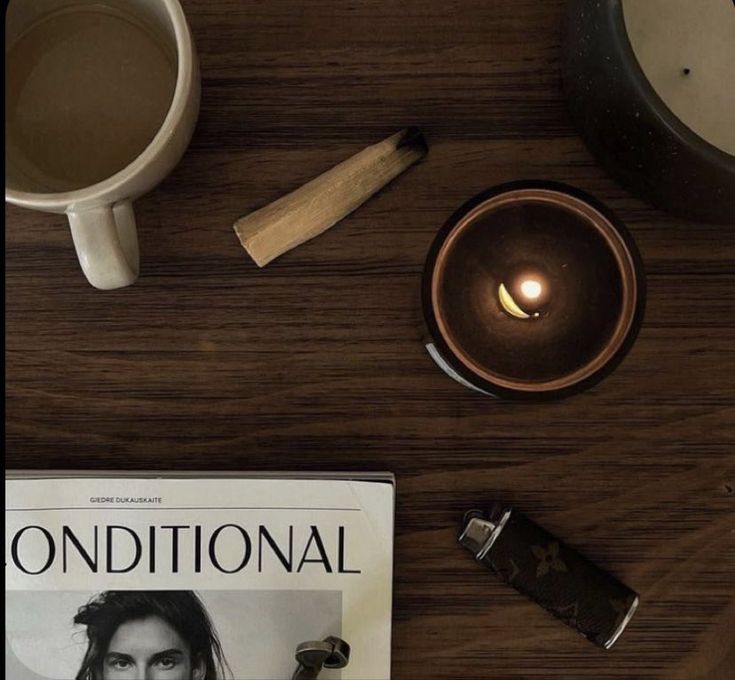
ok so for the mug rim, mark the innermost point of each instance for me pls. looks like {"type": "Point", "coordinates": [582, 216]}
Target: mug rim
{"type": "Point", "coordinates": [184, 76]}
{"type": "Point", "coordinates": [488, 382]}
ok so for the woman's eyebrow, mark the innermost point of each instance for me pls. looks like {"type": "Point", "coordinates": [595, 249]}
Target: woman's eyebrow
{"type": "Point", "coordinates": [167, 652]}
{"type": "Point", "coordinates": [118, 655]}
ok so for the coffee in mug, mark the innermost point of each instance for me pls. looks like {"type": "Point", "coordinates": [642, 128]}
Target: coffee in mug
{"type": "Point", "coordinates": [101, 99]}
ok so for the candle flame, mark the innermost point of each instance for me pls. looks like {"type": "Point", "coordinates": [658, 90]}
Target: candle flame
{"type": "Point", "coordinates": [531, 288]}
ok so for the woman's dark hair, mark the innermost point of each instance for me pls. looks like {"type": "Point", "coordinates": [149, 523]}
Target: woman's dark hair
{"type": "Point", "coordinates": [181, 609]}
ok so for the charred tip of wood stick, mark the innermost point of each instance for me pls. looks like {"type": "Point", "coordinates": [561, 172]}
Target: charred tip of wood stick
{"type": "Point", "coordinates": [414, 138]}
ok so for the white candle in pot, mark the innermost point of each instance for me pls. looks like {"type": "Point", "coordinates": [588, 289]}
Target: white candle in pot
{"type": "Point", "coordinates": [686, 48]}
{"type": "Point", "coordinates": [650, 86]}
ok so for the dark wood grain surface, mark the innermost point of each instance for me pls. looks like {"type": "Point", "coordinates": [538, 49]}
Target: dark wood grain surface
{"type": "Point", "coordinates": [315, 362]}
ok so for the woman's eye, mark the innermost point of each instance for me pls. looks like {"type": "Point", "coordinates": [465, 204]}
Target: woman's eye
{"type": "Point", "coordinates": [120, 664]}
{"type": "Point", "coordinates": [166, 662]}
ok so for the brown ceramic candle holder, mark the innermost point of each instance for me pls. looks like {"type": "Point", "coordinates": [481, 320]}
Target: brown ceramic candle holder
{"type": "Point", "coordinates": [532, 290]}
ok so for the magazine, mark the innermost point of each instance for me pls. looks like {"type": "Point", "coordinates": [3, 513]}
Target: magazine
{"type": "Point", "coordinates": [195, 577]}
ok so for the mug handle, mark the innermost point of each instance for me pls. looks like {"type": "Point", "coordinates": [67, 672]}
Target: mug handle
{"type": "Point", "coordinates": [106, 241]}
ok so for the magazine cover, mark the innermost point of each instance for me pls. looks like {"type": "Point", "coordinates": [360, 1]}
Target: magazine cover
{"type": "Point", "coordinates": [206, 578]}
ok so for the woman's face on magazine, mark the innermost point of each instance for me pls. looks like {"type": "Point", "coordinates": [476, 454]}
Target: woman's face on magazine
{"type": "Point", "coordinates": [148, 649]}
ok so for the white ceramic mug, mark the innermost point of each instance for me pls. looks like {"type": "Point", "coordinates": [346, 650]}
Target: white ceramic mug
{"type": "Point", "coordinates": [92, 126]}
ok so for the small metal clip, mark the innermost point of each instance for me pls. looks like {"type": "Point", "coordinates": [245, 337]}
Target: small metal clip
{"type": "Point", "coordinates": [315, 655]}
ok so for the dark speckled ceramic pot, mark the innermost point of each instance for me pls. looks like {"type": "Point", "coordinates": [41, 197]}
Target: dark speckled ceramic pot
{"type": "Point", "coordinates": [628, 127]}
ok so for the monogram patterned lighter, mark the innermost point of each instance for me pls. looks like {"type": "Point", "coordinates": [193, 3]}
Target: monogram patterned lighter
{"type": "Point", "coordinates": [540, 566]}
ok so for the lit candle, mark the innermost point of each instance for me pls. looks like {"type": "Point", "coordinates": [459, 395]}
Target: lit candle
{"type": "Point", "coordinates": [531, 290]}
{"type": "Point", "coordinates": [651, 87]}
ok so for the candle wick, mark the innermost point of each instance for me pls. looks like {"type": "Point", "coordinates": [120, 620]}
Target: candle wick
{"type": "Point", "coordinates": [686, 71]}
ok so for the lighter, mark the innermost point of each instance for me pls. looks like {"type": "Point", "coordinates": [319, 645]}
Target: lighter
{"type": "Point", "coordinates": [552, 574]}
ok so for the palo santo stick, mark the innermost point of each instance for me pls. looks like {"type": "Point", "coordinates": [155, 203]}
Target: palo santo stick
{"type": "Point", "coordinates": [321, 203]}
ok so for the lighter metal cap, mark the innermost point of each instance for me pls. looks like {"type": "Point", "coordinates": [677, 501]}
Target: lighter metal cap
{"type": "Point", "coordinates": [477, 530]}
{"type": "Point", "coordinates": [480, 531]}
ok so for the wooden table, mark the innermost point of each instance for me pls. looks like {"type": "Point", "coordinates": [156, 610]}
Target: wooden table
{"type": "Point", "coordinates": [315, 362]}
